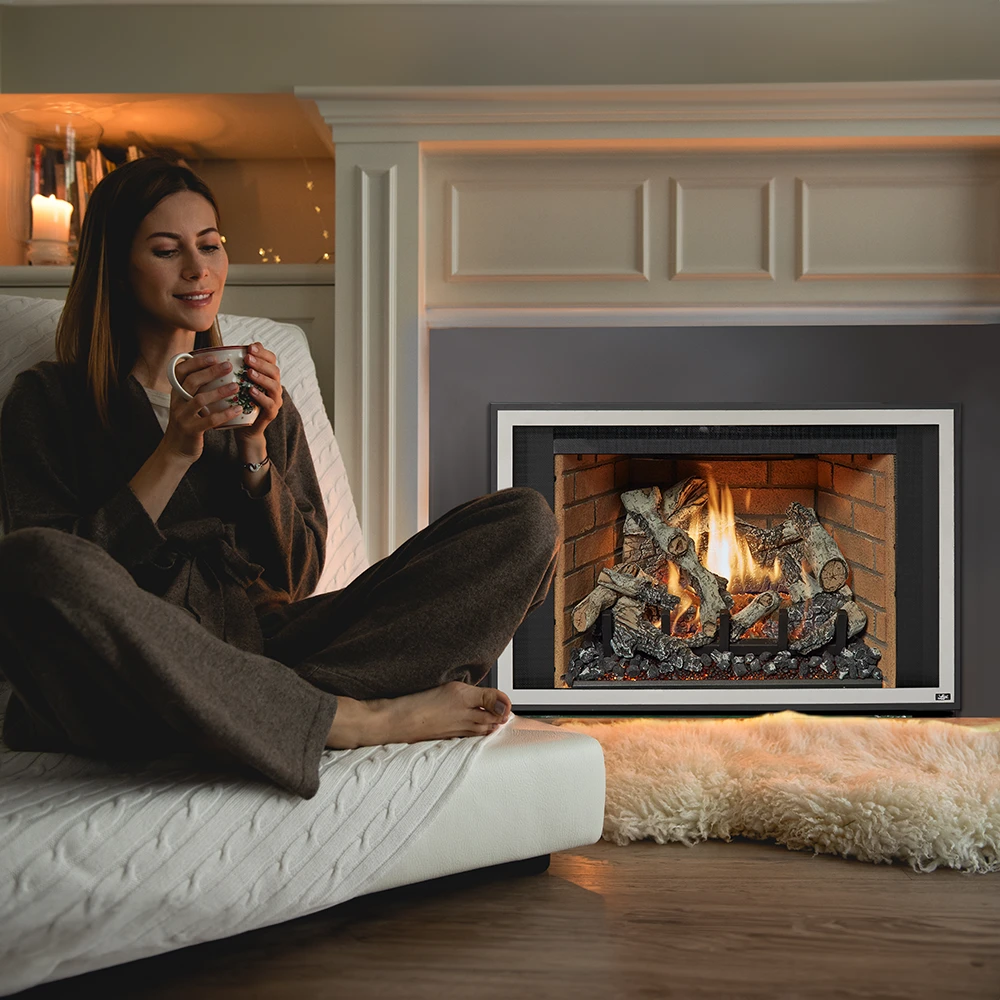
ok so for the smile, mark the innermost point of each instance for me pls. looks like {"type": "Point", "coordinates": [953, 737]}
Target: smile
{"type": "Point", "coordinates": [197, 299]}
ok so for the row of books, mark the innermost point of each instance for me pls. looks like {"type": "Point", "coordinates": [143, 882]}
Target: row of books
{"type": "Point", "coordinates": [51, 171]}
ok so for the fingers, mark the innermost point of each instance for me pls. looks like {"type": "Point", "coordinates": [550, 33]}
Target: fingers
{"type": "Point", "coordinates": [193, 373]}
{"type": "Point", "coordinates": [265, 381]}
{"type": "Point", "coordinates": [262, 367]}
{"type": "Point", "coordinates": [206, 418]}
{"type": "Point", "coordinates": [209, 400]}
{"type": "Point", "coordinates": [215, 419]}
{"type": "Point", "coordinates": [271, 385]}
{"type": "Point", "coordinates": [258, 352]}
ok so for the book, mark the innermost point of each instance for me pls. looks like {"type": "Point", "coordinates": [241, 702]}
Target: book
{"type": "Point", "coordinates": [36, 171]}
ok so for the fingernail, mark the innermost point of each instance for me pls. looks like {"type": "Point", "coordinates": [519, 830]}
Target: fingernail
{"type": "Point", "coordinates": [499, 709]}
{"type": "Point", "coordinates": [253, 347]}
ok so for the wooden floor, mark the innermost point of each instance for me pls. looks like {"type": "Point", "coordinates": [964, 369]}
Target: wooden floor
{"type": "Point", "coordinates": [716, 921]}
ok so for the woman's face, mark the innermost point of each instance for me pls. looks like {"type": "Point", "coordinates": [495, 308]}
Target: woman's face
{"type": "Point", "coordinates": [177, 252]}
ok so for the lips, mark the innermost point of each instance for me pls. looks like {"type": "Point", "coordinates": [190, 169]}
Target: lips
{"type": "Point", "coordinates": [200, 298]}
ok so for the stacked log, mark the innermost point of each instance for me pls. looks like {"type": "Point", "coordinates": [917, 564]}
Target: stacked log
{"type": "Point", "coordinates": [666, 527]}
{"type": "Point", "coordinates": [677, 546]}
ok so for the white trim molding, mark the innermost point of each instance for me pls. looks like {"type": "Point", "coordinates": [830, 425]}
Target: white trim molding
{"type": "Point", "coordinates": [466, 114]}
{"type": "Point", "coordinates": [403, 279]}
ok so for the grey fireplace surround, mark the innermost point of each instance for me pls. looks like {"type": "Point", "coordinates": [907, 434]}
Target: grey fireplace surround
{"type": "Point", "coordinates": [887, 365]}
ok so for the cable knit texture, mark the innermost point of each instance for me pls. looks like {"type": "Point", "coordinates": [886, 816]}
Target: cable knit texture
{"type": "Point", "coordinates": [105, 863]}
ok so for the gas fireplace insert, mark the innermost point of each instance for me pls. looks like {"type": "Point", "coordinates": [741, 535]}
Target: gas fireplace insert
{"type": "Point", "coordinates": [724, 560]}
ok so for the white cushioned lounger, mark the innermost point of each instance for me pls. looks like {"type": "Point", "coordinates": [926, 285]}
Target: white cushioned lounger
{"type": "Point", "coordinates": [104, 863]}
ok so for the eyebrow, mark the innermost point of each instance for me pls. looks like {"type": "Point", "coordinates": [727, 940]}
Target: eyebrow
{"type": "Point", "coordinates": [176, 236]}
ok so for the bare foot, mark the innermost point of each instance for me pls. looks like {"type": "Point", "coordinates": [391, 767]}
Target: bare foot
{"type": "Point", "coordinates": [452, 709]}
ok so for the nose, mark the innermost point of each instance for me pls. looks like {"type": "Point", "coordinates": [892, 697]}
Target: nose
{"type": "Point", "coordinates": [194, 264]}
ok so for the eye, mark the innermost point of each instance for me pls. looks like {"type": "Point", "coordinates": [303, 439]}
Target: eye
{"type": "Point", "coordinates": [211, 248]}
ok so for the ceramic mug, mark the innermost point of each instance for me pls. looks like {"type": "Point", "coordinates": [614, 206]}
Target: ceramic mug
{"type": "Point", "coordinates": [235, 356]}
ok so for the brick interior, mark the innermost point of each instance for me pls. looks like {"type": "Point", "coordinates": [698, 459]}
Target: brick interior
{"type": "Point", "coordinates": [853, 495]}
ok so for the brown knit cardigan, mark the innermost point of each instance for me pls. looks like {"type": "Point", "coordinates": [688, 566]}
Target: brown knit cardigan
{"type": "Point", "coordinates": [223, 555]}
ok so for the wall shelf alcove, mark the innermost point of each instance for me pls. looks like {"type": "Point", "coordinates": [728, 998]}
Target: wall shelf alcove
{"type": "Point", "coordinates": [269, 160]}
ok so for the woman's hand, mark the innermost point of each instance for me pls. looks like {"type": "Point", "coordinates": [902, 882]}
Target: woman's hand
{"type": "Point", "coordinates": [184, 436]}
{"type": "Point", "coordinates": [265, 391]}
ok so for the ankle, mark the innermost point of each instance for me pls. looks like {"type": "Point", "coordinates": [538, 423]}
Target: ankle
{"type": "Point", "coordinates": [355, 724]}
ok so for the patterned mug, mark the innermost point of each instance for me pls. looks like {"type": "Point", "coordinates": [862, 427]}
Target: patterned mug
{"type": "Point", "coordinates": [235, 356]}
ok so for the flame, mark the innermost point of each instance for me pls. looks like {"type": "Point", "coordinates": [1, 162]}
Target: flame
{"type": "Point", "coordinates": [688, 599]}
{"type": "Point", "coordinates": [729, 555]}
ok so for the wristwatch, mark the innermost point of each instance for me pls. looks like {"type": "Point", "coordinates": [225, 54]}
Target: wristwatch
{"type": "Point", "coordinates": [256, 466]}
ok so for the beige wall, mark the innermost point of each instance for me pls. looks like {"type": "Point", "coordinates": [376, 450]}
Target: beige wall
{"type": "Point", "coordinates": [266, 204]}
{"type": "Point", "coordinates": [247, 49]}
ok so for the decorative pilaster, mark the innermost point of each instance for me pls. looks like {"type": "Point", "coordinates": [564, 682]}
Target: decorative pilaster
{"type": "Point", "coordinates": [378, 416]}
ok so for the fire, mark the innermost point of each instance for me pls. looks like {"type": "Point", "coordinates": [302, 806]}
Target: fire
{"type": "Point", "coordinates": [688, 599]}
{"type": "Point", "coordinates": [729, 555]}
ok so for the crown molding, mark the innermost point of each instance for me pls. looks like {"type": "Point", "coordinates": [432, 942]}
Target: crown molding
{"type": "Point", "coordinates": [917, 108]}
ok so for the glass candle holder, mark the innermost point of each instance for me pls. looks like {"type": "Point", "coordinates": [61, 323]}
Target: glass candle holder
{"type": "Point", "coordinates": [50, 181]}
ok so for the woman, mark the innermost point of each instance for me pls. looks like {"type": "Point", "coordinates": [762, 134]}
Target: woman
{"type": "Point", "coordinates": [156, 571]}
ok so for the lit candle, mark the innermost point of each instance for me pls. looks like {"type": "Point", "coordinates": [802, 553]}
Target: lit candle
{"type": "Point", "coordinates": [50, 218]}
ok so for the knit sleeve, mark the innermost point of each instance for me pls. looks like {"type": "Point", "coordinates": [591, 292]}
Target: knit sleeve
{"type": "Point", "coordinates": [286, 525]}
{"type": "Point", "coordinates": [40, 457]}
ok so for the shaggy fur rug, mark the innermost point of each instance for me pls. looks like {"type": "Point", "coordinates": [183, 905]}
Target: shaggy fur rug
{"type": "Point", "coordinates": [922, 791]}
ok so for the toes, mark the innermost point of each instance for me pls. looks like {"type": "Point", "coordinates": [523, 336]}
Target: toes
{"type": "Point", "coordinates": [496, 702]}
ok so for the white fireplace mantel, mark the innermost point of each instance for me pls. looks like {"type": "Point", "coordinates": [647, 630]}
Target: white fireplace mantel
{"type": "Point", "coordinates": [409, 158]}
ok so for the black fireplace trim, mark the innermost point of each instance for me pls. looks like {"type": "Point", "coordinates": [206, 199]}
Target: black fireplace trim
{"type": "Point", "coordinates": [535, 469]}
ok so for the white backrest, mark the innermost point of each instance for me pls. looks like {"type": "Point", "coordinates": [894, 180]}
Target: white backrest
{"type": "Point", "coordinates": [27, 336]}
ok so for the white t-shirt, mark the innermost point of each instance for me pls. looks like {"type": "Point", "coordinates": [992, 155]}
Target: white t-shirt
{"type": "Point", "coordinates": [161, 405]}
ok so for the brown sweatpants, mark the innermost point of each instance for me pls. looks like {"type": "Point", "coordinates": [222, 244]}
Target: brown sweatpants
{"type": "Point", "coordinates": [101, 667]}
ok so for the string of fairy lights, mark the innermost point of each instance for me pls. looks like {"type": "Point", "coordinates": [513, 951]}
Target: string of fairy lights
{"type": "Point", "coordinates": [268, 255]}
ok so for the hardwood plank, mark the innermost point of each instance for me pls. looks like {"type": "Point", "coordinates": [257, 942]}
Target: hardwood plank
{"type": "Point", "coordinates": [726, 921]}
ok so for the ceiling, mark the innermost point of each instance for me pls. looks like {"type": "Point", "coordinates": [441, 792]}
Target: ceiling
{"type": "Point", "coordinates": [328, 3]}
{"type": "Point", "coordinates": [198, 126]}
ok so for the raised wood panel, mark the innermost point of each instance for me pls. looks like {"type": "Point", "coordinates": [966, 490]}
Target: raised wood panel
{"type": "Point", "coordinates": [722, 229]}
{"type": "Point", "coordinates": [860, 228]}
{"type": "Point", "coordinates": [878, 223]}
{"type": "Point", "coordinates": [548, 230]}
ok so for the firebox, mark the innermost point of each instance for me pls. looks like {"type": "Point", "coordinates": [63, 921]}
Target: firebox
{"type": "Point", "coordinates": [738, 559]}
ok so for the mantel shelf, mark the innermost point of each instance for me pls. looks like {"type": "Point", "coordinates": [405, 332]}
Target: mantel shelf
{"type": "Point", "coordinates": [239, 275]}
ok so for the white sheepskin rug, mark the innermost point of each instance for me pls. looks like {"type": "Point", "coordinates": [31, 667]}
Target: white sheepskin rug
{"type": "Point", "coordinates": [922, 791]}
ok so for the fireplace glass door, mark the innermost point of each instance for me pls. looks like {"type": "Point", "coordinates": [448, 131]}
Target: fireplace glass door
{"type": "Point", "coordinates": [742, 559]}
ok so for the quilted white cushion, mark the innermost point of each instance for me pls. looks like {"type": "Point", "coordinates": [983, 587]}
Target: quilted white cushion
{"type": "Point", "coordinates": [27, 336]}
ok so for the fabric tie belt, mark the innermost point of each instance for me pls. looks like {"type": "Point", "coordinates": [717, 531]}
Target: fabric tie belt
{"type": "Point", "coordinates": [213, 581]}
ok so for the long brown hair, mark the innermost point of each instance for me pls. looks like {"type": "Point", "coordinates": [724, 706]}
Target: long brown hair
{"type": "Point", "coordinates": [96, 331]}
